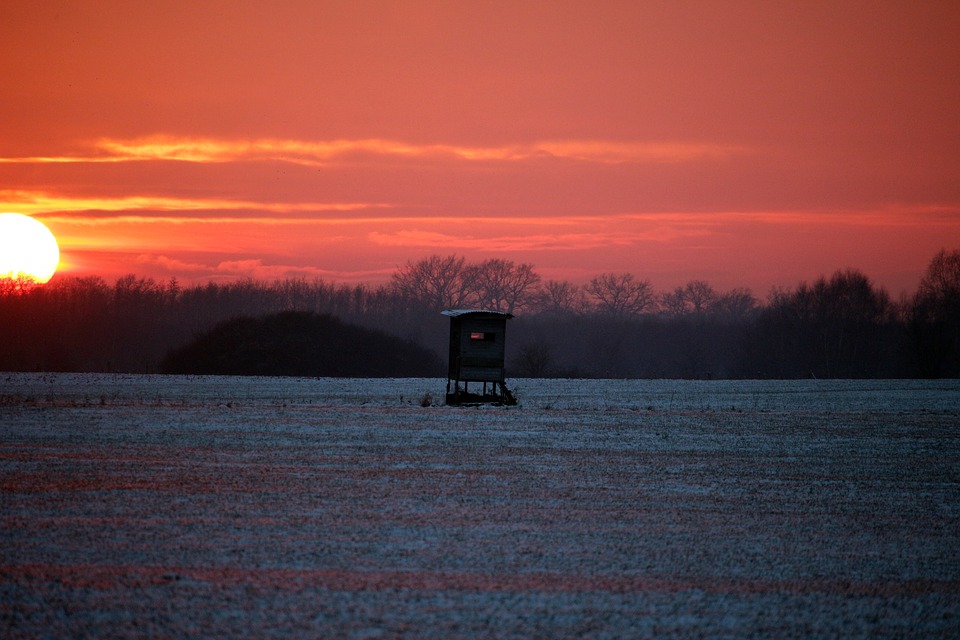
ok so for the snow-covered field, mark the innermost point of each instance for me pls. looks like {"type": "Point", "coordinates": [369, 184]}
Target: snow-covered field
{"type": "Point", "coordinates": [182, 507]}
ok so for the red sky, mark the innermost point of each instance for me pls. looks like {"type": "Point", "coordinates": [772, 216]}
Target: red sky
{"type": "Point", "coordinates": [753, 144]}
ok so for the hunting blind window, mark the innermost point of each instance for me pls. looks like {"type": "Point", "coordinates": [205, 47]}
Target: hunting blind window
{"type": "Point", "coordinates": [487, 336]}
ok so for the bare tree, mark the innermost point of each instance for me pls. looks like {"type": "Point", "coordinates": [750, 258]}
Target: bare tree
{"type": "Point", "coordinates": [833, 325]}
{"type": "Point", "coordinates": [696, 297]}
{"type": "Point", "coordinates": [935, 317]}
{"type": "Point", "coordinates": [619, 294]}
{"type": "Point", "coordinates": [735, 304]}
{"type": "Point", "coordinates": [939, 290]}
{"type": "Point", "coordinates": [674, 302]}
{"type": "Point", "coordinates": [560, 297]}
{"type": "Point", "coordinates": [700, 296]}
{"type": "Point", "coordinates": [848, 297]}
{"type": "Point", "coordinates": [435, 283]}
{"type": "Point", "coordinates": [17, 284]}
{"type": "Point", "coordinates": [501, 285]}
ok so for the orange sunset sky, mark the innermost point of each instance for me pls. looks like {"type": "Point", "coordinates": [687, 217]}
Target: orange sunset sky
{"type": "Point", "coordinates": [756, 143]}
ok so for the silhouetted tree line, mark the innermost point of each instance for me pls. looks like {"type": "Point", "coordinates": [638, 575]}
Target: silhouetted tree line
{"type": "Point", "coordinates": [616, 325]}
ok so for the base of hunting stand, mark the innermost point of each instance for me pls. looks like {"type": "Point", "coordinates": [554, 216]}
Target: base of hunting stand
{"type": "Point", "coordinates": [496, 394]}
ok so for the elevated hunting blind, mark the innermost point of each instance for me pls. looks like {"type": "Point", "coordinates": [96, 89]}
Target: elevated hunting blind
{"type": "Point", "coordinates": [477, 340]}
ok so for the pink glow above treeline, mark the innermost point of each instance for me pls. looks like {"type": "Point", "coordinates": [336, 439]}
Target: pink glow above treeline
{"type": "Point", "coordinates": [746, 143]}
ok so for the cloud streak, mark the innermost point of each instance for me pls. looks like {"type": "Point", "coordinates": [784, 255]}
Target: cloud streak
{"type": "Point", "coordinates": [253, 268]}
{"type": "Point", "coordinates": [41, 202]}
{"type": "Point", "coordinates": [319, 153]}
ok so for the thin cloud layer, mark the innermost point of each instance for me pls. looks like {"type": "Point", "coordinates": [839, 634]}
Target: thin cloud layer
{"type": "Point", "coordinates": [322, 153]}
{"type": "Point", "coordinates": [94, 210]}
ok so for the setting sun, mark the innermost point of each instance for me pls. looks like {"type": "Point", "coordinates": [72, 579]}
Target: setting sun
{"type": "Point", "coordinates": [27, 248]}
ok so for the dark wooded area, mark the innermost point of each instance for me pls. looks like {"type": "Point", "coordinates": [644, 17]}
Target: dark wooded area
{"type": "Point", "coordinates": [299, 343]}
{"type": "Point", "coordinates": [617, 325]}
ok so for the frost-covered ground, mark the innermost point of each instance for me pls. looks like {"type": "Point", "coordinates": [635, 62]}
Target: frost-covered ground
{"type": "Point", "coordinates": [182, 507]}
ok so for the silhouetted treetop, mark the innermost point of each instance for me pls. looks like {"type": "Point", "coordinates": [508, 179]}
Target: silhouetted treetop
{"type": "Point", "coordinates": [935, 317]}
{"type": "Point", "coordinates": [437, 283]}
{"type": "Point", "coordinates": [620, 294]}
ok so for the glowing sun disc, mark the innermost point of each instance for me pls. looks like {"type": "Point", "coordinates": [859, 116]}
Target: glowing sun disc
{"type": "Point", "coordinates": [27, 248]}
